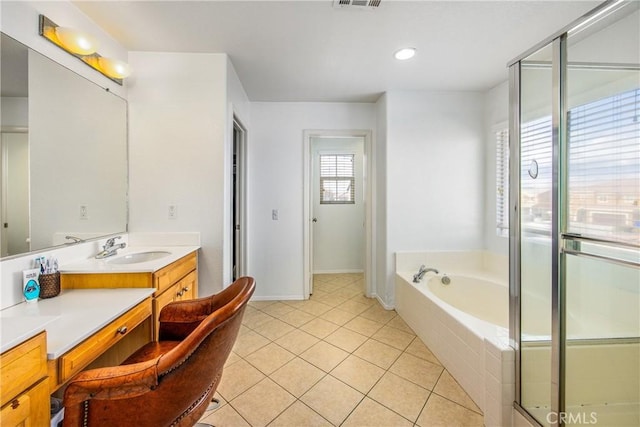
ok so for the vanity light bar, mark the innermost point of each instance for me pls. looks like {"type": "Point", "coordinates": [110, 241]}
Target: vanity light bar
{"type": "Point", "coordinates": [83, 48]}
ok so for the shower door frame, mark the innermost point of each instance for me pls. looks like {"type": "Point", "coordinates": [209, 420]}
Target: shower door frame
{"type": "Point", "coordinates": [558, 41]}
{"type": "Point", "coordinates": [558, 206]}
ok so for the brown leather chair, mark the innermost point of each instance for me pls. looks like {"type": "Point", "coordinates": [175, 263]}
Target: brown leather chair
{"type": "Point", "coordinates": [169, 382]}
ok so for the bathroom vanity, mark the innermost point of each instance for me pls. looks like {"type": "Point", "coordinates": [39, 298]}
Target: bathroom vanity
{"type": "Point", "coordinates": [45, 343]}
{"type": "Point", "coordinates": [106, 310]}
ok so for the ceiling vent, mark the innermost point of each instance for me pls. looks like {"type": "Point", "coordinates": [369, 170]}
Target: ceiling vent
{"type": "Point", "coordinates": [356, 4]}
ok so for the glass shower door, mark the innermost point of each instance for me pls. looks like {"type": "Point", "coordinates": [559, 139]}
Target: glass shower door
{"type": "Point", "coordinates": [535, 207]}
{"type": "Point", "coordinates": [602, 236]}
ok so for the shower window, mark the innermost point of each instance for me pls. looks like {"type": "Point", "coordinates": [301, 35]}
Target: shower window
{"type": "Point", "coordinates": [604, 165]}
{"type": "Point", "coordinates": [605, 168]}
{"type": "Point", "coordinates": [337, 179]}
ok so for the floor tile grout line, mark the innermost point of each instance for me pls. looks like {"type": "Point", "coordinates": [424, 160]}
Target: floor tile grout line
{"type": "Point", "coordinates": [386, 323]}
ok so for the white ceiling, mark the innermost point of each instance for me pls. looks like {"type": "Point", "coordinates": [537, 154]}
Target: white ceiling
{"type": "Point", "coordinates": [311, 51]}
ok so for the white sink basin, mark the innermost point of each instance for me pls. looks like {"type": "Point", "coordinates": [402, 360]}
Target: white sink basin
{"type": "Point", "coordinates": [138, 257]}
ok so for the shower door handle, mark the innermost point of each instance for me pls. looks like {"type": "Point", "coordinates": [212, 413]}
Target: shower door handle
{"type": "Point", "coordinates": [314, 219]}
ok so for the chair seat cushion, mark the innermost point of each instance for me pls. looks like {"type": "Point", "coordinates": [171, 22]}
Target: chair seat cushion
{"type": "Point", "coordinates": [150, 351]}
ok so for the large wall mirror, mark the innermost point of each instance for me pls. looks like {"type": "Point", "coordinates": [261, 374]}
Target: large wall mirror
{"type": "Point", "coordinates": [63, 168]}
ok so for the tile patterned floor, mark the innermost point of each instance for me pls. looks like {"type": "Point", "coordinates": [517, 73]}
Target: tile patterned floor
{"type": "Point", "coordinates": [337, 359]}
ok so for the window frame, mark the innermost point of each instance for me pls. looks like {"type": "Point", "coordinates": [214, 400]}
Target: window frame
{"type": "Point", "coordinates": [351, 179]}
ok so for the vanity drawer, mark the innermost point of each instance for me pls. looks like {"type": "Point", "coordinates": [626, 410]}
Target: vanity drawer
{"type": "Point", "coordinates": [187, 286]}
{"type": "Point", "coordinates": [23, 366]}
{"type": "Point", "coordinates": [167, 276]}
{"type": "Point", "coordinates": [76, 359]}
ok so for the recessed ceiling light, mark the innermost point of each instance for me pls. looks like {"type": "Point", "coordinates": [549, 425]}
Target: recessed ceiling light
{"type": "Point", "coordinates": [405, 53]}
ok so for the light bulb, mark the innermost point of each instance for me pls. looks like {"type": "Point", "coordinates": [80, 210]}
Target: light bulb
{"type": "Point", "coordinates": [114, 68]}
{"type": "Point", "coordinates": [405, 53]}
{"type": "Point", "coordinates": [76, 41]}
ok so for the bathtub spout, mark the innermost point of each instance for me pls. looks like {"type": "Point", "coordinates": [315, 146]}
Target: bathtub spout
{"type": "Point", "coordinates": [421, 272]}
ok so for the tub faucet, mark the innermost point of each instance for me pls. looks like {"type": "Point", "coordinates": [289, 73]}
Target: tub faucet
{"type": "Point", "coordinates": [421, 272]}
{"type": "Point", "coordinates": [110, 248]}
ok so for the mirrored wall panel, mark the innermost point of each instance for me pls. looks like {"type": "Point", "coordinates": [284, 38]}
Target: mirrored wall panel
{"type": "Point", "coordinates": [64, 154]}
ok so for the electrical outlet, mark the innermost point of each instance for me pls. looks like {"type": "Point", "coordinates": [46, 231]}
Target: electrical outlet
{"type": "Point", "coordinates": [274, 214]}
{"type": "Point", "coordinates": [173, 212]}
{"type": "Point", "coordinates": [84, 212]}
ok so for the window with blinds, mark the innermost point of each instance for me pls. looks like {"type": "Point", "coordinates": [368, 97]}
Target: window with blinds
{"type": "Point", "coordinates": [337, 179]}
{"type": "Point", "coordinates": [502, 182]}
{"type": "Point", "coordinates": [603, 170]}
{"type": "Point", "coordinates": [536, 156]}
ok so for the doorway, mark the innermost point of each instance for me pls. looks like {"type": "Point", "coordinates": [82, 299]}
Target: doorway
{"type": "Point", "coordinates": [238, 200]}
{"type": "Point", "coordinates": [337, 211]}
{"type": "Point", "coordinates": [14, 174]}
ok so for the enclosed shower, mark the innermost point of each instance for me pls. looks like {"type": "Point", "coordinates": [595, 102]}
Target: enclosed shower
{"type": "Point", "coordinates": [574, 139]}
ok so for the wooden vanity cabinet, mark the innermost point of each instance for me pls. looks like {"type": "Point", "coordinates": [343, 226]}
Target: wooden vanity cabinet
{"type": "Point", "coordinates": [25, 389]}
{"type": "Point", "coordinates": [175, 282]}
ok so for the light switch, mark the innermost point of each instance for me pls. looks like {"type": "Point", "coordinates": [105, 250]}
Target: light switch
{"type": "Point", "coordinates": [274, 214]}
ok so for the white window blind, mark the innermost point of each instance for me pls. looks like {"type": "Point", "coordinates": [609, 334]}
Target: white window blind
{"type": "Point", "coordinates": [502, 182]}
{"type": "Point", "coordinates": [603, 167]}
{"type": "Point", "coordinates": [536, 154]}
{"type": "Point", "coordinates": [337, 179]}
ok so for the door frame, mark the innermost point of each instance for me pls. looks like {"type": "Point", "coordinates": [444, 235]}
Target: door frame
{"type": "Point", "coordinates": [4, 162]}
{"type": "Point", "coordinates": [369, 195]}
{"type": "Point", "coordinates": [241, 195]}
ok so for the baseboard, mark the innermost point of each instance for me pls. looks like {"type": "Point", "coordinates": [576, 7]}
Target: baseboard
{"type": "Point", "coordinates": [337, 271]}
{"type": "Point", "coordinates": [278, 298]}
{"type": "Point", "coordinates": [382, 303]}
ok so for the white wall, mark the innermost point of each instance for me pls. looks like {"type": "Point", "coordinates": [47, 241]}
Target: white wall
{"type": "Point", "coordinates": [496, 108]}
{"type": "Point", "coordinates": [435, 174]}
{"type": "Point", "coordinates": [276, 182]}
{"type": "Point", "coordinates": [177, 120]}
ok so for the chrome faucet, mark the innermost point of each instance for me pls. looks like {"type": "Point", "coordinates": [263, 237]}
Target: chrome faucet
{"type": "Point", "coordinates": [110, 248]}
{"type": "Point", "coordinates": [421, 272]}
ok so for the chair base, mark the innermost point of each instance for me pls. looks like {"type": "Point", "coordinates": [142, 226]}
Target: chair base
{"type": "Point", "coordinates": [215, 404]}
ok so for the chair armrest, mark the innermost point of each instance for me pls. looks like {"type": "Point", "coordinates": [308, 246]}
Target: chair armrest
{"type": "Point", "coordinates": [116, 382]}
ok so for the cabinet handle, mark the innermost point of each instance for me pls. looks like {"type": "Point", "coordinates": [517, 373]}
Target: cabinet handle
{"type": "Point", "coordinates": [180, 293]}
{"type": "Point", "coordinates": [185, 289]}
{"type": "Point", "coordinates": [122, 330]}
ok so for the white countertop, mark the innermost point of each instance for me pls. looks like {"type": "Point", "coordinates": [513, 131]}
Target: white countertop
{"type": "Point", "coordinates": [69, 318]}
{"type": "Point", "coordinates": [92, 265]}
